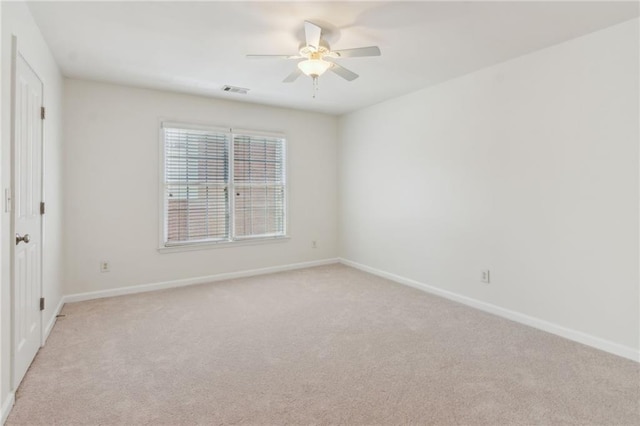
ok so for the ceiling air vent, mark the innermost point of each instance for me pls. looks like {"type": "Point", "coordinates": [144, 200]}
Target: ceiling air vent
{"type": "Point", "coordinates": [233, 89]}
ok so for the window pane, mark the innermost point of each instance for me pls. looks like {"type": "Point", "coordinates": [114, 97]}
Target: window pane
{"type": "Point", "coordinates": [196, 212]}
{"type": "Point", "coordinates": [259, 210]}
{"type": "Point", "coordinates": [195, 156]}
{"type": "Point", "coordinates": [259, 178]}
{"type": "Point", "coordinates": [196, 183]}
{"type": "Point", "coordinates": [258, 160]}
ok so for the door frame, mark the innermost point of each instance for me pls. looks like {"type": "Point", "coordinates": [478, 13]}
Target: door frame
{"type": "Point", "coordinates": [15, 54]}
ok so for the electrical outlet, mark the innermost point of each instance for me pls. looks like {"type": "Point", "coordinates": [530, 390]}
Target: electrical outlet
{"type": "Point", "coordinates": [314, 244]}
{"type": "Point", "coordinates": [105, 266]}
{"type": "Point", "coordinates": [485, 276]}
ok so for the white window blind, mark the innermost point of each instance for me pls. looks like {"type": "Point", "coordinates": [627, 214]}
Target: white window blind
{"type": "Point", "coordinates": [259, 179]}
{"type": "Point", "coordinates": [198, 184]}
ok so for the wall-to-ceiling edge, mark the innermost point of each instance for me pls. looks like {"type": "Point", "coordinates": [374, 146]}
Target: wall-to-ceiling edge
{"type": "Point", "coordinates": [529, 169]}
{"type": "Point", "coordinates": [482, 136]}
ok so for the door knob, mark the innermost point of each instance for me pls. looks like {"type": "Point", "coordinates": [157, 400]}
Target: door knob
{"type": "Point", "coordinates": [26, 238]}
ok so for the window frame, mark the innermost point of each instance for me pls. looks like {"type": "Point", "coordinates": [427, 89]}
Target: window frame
{"type": "Point", "coordinates": [208, 244]}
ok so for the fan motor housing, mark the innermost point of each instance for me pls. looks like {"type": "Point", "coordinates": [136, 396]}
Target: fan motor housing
{"type": "Point", "coordinates": [307, 51]}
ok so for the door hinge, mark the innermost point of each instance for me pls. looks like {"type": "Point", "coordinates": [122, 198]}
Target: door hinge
{"type": "Point", "coordinates": [42, 207]}
{"type": "Point", "coordinates": [42, 113]}
{"type": "Point", "coordinates": [42, 303]}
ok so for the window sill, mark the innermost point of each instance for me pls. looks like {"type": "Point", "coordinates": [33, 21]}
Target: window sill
{"type": "Point", "coordinates": [222, 244]}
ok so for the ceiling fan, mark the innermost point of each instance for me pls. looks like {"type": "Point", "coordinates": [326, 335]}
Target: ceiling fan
{"type": "Point", "coordinates": [315, 51]}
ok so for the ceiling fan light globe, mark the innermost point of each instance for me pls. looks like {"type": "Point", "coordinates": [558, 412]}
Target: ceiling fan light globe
{"type": "Point", "coordinates": [314, 67]}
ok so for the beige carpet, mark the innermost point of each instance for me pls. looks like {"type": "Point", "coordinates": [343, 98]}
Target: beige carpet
{"type": "Point", "coordinates": [315, 346]}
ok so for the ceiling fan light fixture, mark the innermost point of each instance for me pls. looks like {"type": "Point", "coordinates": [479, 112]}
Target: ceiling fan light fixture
{"type": "Point", "coordinates": [313, 50]}
{"type": "Point", "coordinates": [314, 67]}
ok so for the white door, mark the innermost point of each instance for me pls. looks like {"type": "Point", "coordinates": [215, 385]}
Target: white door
{"type": "Point", "coordinates": [27, 169]}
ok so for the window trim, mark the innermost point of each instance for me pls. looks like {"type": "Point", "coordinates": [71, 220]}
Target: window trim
{"type": "Point", "coordinates": [209, 244]}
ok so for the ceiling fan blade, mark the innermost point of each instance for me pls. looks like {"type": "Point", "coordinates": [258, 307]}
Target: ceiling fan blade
{"type": "Point", "coordinates": [273, 56]}
{"type": "Point", "coordinates": [293, 76]}
{"type": "Point", "coordinates": [343, 72]}
{"type": "Point", "coordinates": [312, 34]}
{"type": "Point", "coordinates": [358, 52]}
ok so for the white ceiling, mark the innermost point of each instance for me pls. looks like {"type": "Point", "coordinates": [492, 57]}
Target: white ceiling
{"type": "Point", "coordinates": [197, 47]}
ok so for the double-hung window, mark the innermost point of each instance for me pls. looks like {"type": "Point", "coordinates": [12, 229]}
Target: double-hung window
{"type": "Point", "coordinates": [221, 185]}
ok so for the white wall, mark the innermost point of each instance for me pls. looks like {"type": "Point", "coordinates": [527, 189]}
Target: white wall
{"type": "Point", "coordinates": [528, 168]}
{"type": "Point", "coordinates": [112, 181]}
{"type": "Point", "coordinates": [17, 21]}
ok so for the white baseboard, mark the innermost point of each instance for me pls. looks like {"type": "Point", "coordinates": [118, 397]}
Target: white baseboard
{"type": "Point", "coordinates": [7, 405]}
{"type": "Point", "coordinates": [52, 321]}
{"type": "Point", "coordinates": [79, 297]}
{"type": "Point", "coordinates": [567, 333]}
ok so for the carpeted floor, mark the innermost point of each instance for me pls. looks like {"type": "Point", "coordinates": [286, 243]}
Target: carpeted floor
{"type": "Point", "coordinates": [315, 346]}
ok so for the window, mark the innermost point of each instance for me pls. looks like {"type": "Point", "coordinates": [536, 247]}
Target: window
{"type": "Point", "coordinates": [221, 185]}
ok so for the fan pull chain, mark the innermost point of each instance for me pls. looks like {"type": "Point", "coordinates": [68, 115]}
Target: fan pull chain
{"type": "Point", "coordinates": [315, 87]}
